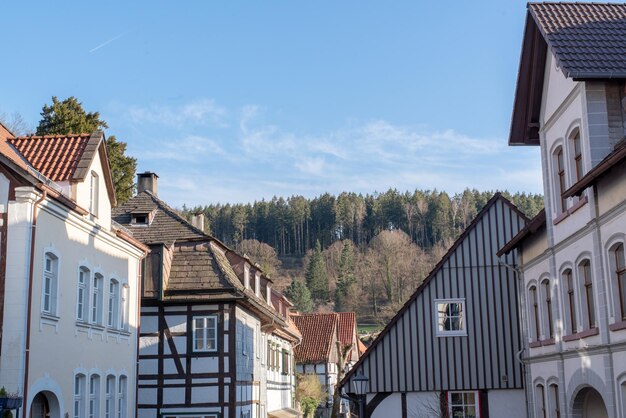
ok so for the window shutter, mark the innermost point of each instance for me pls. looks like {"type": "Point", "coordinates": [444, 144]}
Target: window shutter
{"type": "Point", "coordinates": [483, 396]}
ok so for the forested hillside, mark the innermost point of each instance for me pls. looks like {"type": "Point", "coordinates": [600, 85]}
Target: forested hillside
{"type": "Point", "coordinates": [351, 252]}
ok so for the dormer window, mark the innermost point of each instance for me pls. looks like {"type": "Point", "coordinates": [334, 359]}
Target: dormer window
{"type": "Point", "coordinates": [140, 219]}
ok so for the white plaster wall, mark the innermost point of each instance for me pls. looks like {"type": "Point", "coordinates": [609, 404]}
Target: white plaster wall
{"type": "Point", "coordinates": [83, 193]}
{"type": "Point", "coordinates": [507, 403]}
{"type": "Point", "coordinates": [19, 220]}
{"type": "Point", "coordinates": [558, 86]}
{"type": "Point", "coordinates": [280, 387]}
{"type": "Point", "coordinates": [96, 350]}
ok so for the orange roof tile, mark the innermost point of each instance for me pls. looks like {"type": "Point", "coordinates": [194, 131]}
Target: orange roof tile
{"type": "Point", "coordinates": [7, 150]}
{"type": "Point", "coordinates": [346, 327]}
{"type": "Point", "coordinates": [318, 331]}
{"type": "Point", "coordinates": [361, 346]}
{"type": "Point", "coordinates": [55, 156]}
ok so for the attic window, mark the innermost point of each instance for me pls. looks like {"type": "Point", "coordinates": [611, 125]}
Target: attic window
{"type": "Point", "coordinates": [140, 219]}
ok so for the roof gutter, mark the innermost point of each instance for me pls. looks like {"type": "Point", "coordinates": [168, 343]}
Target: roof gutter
{"type": "Point", "coordinates": [30, 295]}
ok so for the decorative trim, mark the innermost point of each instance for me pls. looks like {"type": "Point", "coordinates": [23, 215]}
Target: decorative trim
{"type": "Point", "coordinates": [586, 333]}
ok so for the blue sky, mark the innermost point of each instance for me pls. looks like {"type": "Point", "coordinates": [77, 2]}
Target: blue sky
{"type": "Point", "coordinates": [242, 100]}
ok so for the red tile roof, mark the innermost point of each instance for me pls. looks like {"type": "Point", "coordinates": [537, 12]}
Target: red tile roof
{"type": "Point", "coordinates": [346, 327]}
{"type": "Point", "coordinates": [7, 150]}
{"type": "Point", "coordinates": [55, 156]}
{"type": "Point", "coordinates": [318, 332]}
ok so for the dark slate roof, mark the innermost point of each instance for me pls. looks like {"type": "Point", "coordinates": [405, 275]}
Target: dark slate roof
{"type": "Point", "coordinates": [587, 39]}
{"type": "Point", "coordinates": [166, 226]}
{"type": "Point", "coordinates": [194, 267]}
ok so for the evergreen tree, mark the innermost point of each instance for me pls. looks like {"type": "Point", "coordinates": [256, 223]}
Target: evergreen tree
{"type": "Point", "coordinates": [68, 117]}
{"type": "Point", "coordinates": [346, 278]}
{"type": "Point", "coordinates": [123, 169]}
{"type": "Point", "coordinates": [316, 274]}
{"type": "Point", "coordinates": [300, 296]}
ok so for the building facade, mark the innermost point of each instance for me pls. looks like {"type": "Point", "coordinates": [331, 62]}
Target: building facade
{"type": "Point", "coordinates": [571, 103]}
{"type": "Point", "coordinates": [452, 349]}
{"type": "Point", "coordinates": [68, 280]}
{"type": "Point", "coordinates": [216, 339]}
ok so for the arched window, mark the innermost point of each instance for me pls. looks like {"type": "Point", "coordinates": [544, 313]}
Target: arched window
{"type": "Point", "coordinates": [584, 272]}
{"type": "Point", "coordinates": [547, 306]}
{"type": "Point", "coordinates": [618, 271]}
{"type": "Point", "coordinates": [93, 194]}
{"type": "Point", "coordinates": [79, 396]}
{"type": "Point", "coordinates": [577, 155]}
{"type": "Point", "coordinates": [50, 284]}
{"type": "Point", "coordinates": [534, 313]}
{"type": "Point", "coordinates": [82, 296]}
{"type": "Point", "coordinates": [114, 289]}
{"type": "Point", "coordinates": [125, 307]}
{"type": "Point", "coordinates": [94, 396]}
{"type": "Point", "coordinates": [121, 397]}
{"type": "Point", "coordinates": [109, 402]}
{"type": "Point", "coordinates": [555, 409]}
{"type": "Point", "coordinates": [540, 401]}
{"type": "Point", "coordinates": [559, 180]}
{"type": "Point", "coordinates": [96, 299]}
{"type": "Point", "coordinates": [570, 305]}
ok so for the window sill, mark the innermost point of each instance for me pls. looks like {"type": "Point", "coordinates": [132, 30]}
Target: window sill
{"type": "Point", "coordinates": [451, 334]}
{"type": "Point", "coordinates": [618, 326]}
{"type": "Point", "coordinates": [560, 217]}
{"type": "Point", "coordinates": [583, 334]}
{"type": "Point", "coordinates": [542, 343]}
{"type": "Point", "coordinates": [50, 317]}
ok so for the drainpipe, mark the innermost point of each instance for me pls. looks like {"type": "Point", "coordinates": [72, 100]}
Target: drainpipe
{"type": "Point", "coordinates": [30, 295]}
{"type": "Point", "coordinates": [522, 321]}
{"type": "Point", "coordinates": [138, 316]}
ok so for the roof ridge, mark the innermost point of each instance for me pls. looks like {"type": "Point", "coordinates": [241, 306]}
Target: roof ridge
{"type": "Point", "coordinates": [55, 136]}
{"type": "Point", "coordinates": [174, 212]}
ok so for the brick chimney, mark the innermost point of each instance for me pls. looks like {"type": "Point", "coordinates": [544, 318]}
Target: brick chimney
{"type": "Point", "coordinates": [147, 181]}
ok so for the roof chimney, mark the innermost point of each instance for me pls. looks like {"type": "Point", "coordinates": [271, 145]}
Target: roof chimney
{"type": "Point", "coordinates": [197, 220]}
{"type": "Point", "coordinates": [147, 181]}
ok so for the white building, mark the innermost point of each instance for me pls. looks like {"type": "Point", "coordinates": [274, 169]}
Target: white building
{"type": "Point", "coordinates": [68, 280]}
{"type": "Point", "coordinates": [570, 102]}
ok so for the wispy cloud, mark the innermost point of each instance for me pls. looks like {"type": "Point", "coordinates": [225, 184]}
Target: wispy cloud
{"type": "Point", "coordinates": [210, 153]}
{"type": "Point", "coordinates": [105, 43]}
{"type": "Point", "coordinates": [199, 112]}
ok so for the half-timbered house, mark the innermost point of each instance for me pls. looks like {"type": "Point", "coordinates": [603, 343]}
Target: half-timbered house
{"type": "Point", "coordinates": [452, 349]}
{"type": "Point", "coordinates": [216, 339]}
{"type": "Point", "coordinates": [69, 288]}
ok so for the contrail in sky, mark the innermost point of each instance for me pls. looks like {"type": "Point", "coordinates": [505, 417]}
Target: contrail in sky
{"type": "Point", "coordinates": [105, 43]}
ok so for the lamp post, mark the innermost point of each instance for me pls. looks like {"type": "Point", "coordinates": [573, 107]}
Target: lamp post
{"type": "Point", "coordinates": [359, 381]}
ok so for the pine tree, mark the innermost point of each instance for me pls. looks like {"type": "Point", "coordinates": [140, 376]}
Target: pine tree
{"type": "Point", "coordinates": [300, 296]}
{"type": "Point", "coordinates": [346, 278]}
{"type": "Point", "coordinates": [316, 275]}
{"type": "Point", "coordinates": [68, 117]}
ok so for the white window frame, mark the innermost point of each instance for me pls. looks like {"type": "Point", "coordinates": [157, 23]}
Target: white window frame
{"type": "Point", "coordinates": [476, 403]}
{"type": "Point", "coordinates": [122, 392]}
{"type": "Point", "coordinates": [82, 294]}
{"type": "Point", "coordinates": [94, 188]}
{"type": "Point", "coordinates": [125, 305]}
{"type": "Point", "coordinates": [114, 304]}
{"type": "Point", "coordinates": [94, 396]}
{"type": "Point", "coordinates": [95, 296]}
{"type": "Point", "coordinates": [110, 392]}
{"type": "Point", "coordinates": [206, 329]}
{"type": "Point", "coordinates": [439, 332]}
{"type": "Point", "coordinates": [50, 284]}
{"type": "Point", "coordinates": [79, 395]}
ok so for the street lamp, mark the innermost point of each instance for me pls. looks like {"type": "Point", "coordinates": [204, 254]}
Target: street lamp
{"type": "Point", "coordinates": [359, 381]}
